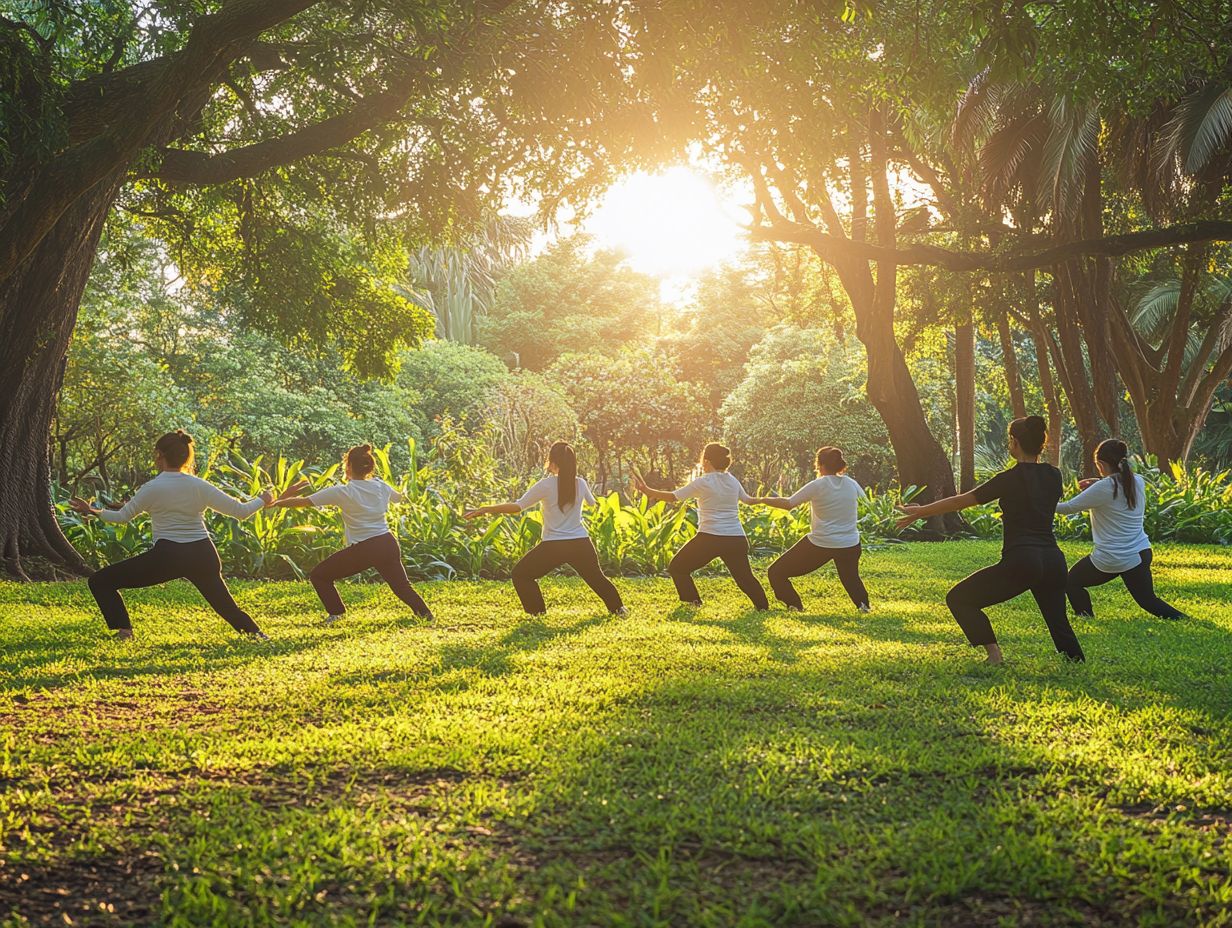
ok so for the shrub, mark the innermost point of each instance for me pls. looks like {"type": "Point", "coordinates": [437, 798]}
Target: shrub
{"type": "Point", "coordinates": [631, 537]}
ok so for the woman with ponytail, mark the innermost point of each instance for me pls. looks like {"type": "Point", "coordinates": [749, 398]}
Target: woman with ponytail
{"type": "Point", "coordinates": [719, 532]}
{"type": "Point", "coordinates": [562, 494]}
{"type": "Point", "coordinates": [176, 501]}
{"type": "Point", "coordinates": [1117, 503]}
{"type": "Point", "coordinates": [363, 501]}
{"type": "Point", "coordinates": [1030, 559]}
{"type": "Point", "coordinates": [834, 499]}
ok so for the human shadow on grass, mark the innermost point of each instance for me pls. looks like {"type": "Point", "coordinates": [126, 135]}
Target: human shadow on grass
{"type": "Point", "coordinates": [871, 791]}
{"type": "Point", "coordinates": [724, 798]}
{"type": "Point", "coordinates": [90, 654]}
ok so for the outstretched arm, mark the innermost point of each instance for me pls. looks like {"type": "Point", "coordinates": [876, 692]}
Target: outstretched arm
{"type": "Point", "coordinates": [290, 498]}
{"type": "Point", "coordinates": [778, 502]}
{"type": "Point", "coordinates": [1094, 493]}
{"type": "Point", "coordinates": [912, 512]}
{"type": "Point", "coordinates": [213, 498]}
{"type": "Point", "coordinates": [661, 496]}
{"type": "Point", "coordinates": [123, 514]}
{"type": "Point", "coordinates": [498, 509]}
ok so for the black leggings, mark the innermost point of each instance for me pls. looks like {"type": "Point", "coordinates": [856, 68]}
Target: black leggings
{"type": "Point", "coordinates": [804, 557]}
{"type": "Point", "coordinates": [703, 548]}
{"type": "Point", "coordinates": [1138, 581]}
{"type": "Point", "coordinates": [194, 561]}
{"type": "Point", "coordinates": [543, 558]}
{"type": "Point", "coordinates": [381, 553]}
{"type": "Point", "coordinates": [1040, 570]}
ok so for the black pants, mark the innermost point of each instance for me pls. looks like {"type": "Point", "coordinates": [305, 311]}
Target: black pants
{"type": "Point", "coordinates": [578, 553]}
{"type": "Point", "coordinates": [804, 557]}
{"type": "Point", "coordinates": [1040, 570]}
{"type": "Point", "coordinates": [194, 561]}
{"type": "Point", "coordinates": [381, 553]}
{"type": "Point", "coordinates": [703, 548]}
{"type": "Point", "coordinates": [1138, 581]}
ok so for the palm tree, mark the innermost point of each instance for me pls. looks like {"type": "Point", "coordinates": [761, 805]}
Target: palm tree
{"type": "Point", "coordinates": [456, 283]}
{"type": "Point", "coordinates": [1042, 158]}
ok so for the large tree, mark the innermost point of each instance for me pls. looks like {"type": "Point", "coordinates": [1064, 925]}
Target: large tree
{"type": "Point", "coordinates": [287, 151]}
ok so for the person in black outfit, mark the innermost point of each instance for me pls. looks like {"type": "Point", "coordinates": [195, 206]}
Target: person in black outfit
{"type": "Point", "coordinates": [1030, 559]}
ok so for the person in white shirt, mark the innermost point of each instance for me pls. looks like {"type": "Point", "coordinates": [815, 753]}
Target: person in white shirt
{"type": "Point", "coordinates": [363, 501]}
{"type": "Point", "coordinates": [835, 536]}
{"type": "Point", "coordinates": [1117, 503]}
{"type": "Point", "coordinates": [176, 501]}
{"type": "Point", "coordinates": [719, 532]}
{"type": "Point", "coordinates": [562, 494]}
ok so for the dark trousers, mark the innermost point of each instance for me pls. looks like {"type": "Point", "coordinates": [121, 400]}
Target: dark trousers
{"type": "Point", "coordinates": [543, 558]}
{"type": "Point", "coordinates": [804, 557]}
{"type": "Point", "coordinates": [194, 561]}
{"type": "Point", "coordinates": [381, 553]}
{"type": "Point", "coordinates": [1138, 581]}
{"type": "Point", "coordinates": [703, 548]}
{"type": "Point", "coordinates": [1040, 570]}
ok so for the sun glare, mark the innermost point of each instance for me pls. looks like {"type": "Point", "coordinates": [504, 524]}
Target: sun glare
{"type": "Point", "coordinates": [673, 225]}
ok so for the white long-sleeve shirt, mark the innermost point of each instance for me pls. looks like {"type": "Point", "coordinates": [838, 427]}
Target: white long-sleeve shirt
{"type": "Point", "coordinates": [1115, 528]}
{"type": "Point", "coordinates": [363, 504]}
{"type": "Point", "coordinates": [718, 495]}
{"type": "Point", "coordinates": [176, 503]}
{"type": "Point", "coordinates": [834, 499]}
{"type": "Point", "coordinates": [558, 524]}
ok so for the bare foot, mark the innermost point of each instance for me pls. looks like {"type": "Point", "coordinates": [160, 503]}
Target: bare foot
{"type": "Point", "coordinates": [994, 654]}
{"type": "Point", "coordinates": [124, 634]}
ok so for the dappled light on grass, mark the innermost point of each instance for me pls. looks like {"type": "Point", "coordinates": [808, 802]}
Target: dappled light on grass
{"type": "Point", "coordinates": [705, 767]}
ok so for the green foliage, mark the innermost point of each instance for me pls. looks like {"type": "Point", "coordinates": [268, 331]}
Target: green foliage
{"type": "Point", "coordinates": [526, 415]}
{"type": "Point", "coordinates": [451, 380]}
{"type": "Point", "coordinates": [802, 389]}
{"type": "Point", "coordinates": [713, 336]}
{"type": "Point", "coordinates": [568, 300]}
{"type": "Point", "coordinates": [633, 410]}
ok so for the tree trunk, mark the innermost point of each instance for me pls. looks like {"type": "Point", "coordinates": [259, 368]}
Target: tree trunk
{"type": "Point", "coordinates": [964, 405]}
{"type": "Point", "coordinates": [1071, 365]}
{"type": "Point", "coordinates": [1052, 451]}
{"type": "Point", "coordinates": [1013, 376]}
{"type": "Point", "coordinates": [38, 309]}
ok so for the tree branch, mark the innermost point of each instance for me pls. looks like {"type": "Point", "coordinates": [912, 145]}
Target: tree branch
{"type": "Point", "coordinates": [1216, 338]}
{"type": "Point", "coordinates": [1111, 246]}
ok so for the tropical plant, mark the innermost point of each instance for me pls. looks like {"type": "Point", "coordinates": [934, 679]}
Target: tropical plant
{"type": "Point", "coordinates": [457, 283]}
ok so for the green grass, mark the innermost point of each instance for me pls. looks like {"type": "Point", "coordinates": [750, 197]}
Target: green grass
{"type": "Point", "coordinates": [719, 767]}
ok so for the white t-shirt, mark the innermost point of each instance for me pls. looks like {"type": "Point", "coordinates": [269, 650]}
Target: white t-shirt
{"type": "Point", "coordinates": [718, 496]}
{"type": "Point", "coordinates": [1115, 528]}
{"type": "Point", "coordinates": [558, 524]}
{"type": "Point", "coordinates": [176, 503]}
{"type": "Point", "coordinates": [834, 500]}
{"type": "Point", "coordinates": [363, 504]}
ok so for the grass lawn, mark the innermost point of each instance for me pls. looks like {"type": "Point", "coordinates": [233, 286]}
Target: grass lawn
{"type": "Point", "coordinates": [718, 767]}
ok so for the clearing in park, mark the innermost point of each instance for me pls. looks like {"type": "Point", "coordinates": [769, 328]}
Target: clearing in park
{"type": "Point", "coordinates": [678, 767]}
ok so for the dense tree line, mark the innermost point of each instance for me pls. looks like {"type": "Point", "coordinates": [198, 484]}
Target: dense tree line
{"type": "Point", "coordinates": [1054, 175]}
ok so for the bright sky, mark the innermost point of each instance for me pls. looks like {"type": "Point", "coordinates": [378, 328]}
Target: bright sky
{"type": "Point", "coordinates": [674, 225]}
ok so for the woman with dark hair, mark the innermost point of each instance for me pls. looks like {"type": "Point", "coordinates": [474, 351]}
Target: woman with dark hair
{"type": "Point", "coordinates": [364, 501]}
{"type": "Point", "coordinates": [719, 532]}
{"type": "Point", "coordinates": [562, 494]}
{"type": "Point", "coordinates": [176, 501]}
{"type": "Point", "coordinates": [1030, 559]}
{"type": "Point", "coordinates": [1117, 503]}
{"type": "Point", "coordinates": [834, 499]}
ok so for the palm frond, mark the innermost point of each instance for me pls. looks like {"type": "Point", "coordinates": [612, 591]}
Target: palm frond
{"type": "Point", "coordinates": [1011, 156]}
{"type": "Point", "coordinates": [1200, 126]}
{"type": "Point", "coordinates": [976, 110]}
{"type": "Point", "coordinates": [1072, 139]}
